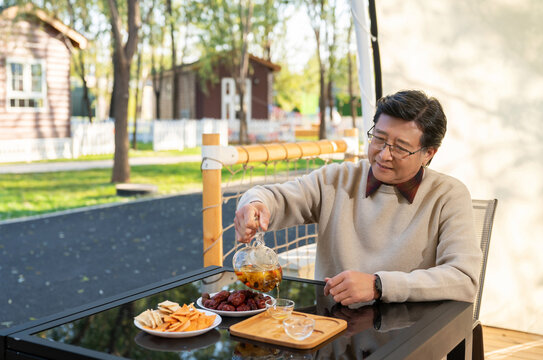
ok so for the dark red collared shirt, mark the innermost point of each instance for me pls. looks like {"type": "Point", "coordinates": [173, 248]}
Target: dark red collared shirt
{"type": "Point", "coordinates": [408, 189]}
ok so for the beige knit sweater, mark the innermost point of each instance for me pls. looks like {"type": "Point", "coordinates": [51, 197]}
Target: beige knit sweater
{"type": "Point", "coordinates": [422, 251]}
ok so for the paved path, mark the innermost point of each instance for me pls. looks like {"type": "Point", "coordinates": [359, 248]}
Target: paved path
{"type": "Point", "coordinates": [91, 164]}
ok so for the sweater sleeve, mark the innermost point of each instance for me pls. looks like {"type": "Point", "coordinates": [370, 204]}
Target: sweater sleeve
{"type": "Point", "coordinates": [291, 203]}
{"type": "Point", "coordinates": [455, 275]}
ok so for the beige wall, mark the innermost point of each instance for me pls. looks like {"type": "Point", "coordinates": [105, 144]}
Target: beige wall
{"type": "Point", "coordinates": [483, 60]}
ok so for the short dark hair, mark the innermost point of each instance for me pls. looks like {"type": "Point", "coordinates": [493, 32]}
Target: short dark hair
{"type": "Point", "coordinates": [415, 105]}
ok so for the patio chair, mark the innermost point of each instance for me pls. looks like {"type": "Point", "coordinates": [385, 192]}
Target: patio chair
{"type": "Point", "coordinates": [483, 217]}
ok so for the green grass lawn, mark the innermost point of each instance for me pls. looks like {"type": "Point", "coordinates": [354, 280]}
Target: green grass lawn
{"type": "Point", "coordinates": [39, 193]}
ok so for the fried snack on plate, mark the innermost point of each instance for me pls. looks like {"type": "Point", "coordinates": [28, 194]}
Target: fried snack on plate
{"type": "Point", "coordinates": [171, 317]}
{"type": "Point", "coordinates": [150, 318]}
{"type": "Point", "coordinates": [168, 307]}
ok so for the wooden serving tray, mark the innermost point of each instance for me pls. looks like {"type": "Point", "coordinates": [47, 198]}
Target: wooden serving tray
{"type": "Point", "coordinates": [264, 328]}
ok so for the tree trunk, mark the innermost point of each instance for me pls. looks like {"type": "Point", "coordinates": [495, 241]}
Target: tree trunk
{"type": "Point", "coordinates": [243, 70]}
{"type": "Point", "coordinates": [114, 90]}
{"type": "Point", "coordinates": [322, 99]}
{"type": "Point", "coordinates": [157, 104]}
{"type": "Point", "coordinates": [82, 75]}
{"type": "Point", "coordinates": [175, 76]}
{"type": "Point", "coordinates": [157, 82]}
{"type": "Point", "coordinates": [121, 167]}
{"type": "Point", "coordinates": [175, 95]}
{"type": "Point", "coordinates": [86, 99]}
{"type": "Point", "coordinates": [122, 59]}
{"type": "Point", "coordinates": [79, 63]}
{"type": "Point", "coordinates": [330, 97]}
{"type": "Point", "coordinates": [157, 85]}
{"type": "Point", "coordinates": [268, 28]}
{"type": "Point", "coordinates": [318, 16]}
{"type": "Point", "coordinates": [243, 131]}
{"type": "Point", "coordinates": [322, 106]}
{"type": "Point", "coordinates": [157, 70]}
{"type": "Point", "coordinates": [330, 17]}
{"type": "Point", "coordinates": [137, 107]}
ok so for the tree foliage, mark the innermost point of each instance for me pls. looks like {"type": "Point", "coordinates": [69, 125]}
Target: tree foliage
{"type": "Point", "coordinates": [291, 87]}
{"type": "Point", "coordinates": [328, 30]}
{"type": "Point", "coordinates": [214, 32]}
{"type": "Point", "coordinates": [228, 31]}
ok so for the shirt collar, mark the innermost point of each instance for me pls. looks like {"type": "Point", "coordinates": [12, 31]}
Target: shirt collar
{"type": "Point", "coordinates": [408, 189]}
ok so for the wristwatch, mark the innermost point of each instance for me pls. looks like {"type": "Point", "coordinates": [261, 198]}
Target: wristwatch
{"type": "Point", "coordinates": [378, 286]}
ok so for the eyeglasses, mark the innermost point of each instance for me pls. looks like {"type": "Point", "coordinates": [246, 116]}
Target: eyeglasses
{"type": "Point", "coordinates": [396, 151]}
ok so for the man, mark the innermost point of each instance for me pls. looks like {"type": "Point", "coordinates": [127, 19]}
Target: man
{"type": "Point", "coordinates": [388, 228]}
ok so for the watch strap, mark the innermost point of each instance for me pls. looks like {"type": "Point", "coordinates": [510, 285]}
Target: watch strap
{"type": "Point", "coordinates": [378, 286]}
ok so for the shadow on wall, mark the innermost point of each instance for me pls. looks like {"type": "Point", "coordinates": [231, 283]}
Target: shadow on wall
{"type": "Point", "coordinates": [481, 60]}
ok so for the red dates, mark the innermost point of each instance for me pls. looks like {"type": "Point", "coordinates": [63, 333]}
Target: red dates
{"type": "Point", "coordinates": [238, 300]}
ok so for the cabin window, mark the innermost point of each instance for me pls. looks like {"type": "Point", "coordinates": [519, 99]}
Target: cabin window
{"type": "Point", "coordinates": [26, 84]}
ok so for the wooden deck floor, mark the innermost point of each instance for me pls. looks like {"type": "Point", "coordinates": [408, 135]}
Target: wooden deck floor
{"type": "Point", "coordinates": [509, 344]}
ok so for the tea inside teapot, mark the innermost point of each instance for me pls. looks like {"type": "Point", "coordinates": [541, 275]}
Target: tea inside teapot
{"type": "Point", "coordinates": [260, 279]}
{"type": "Point", "coordinates": [257, 266]}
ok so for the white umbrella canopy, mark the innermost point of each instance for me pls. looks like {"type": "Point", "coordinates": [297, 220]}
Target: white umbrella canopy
{"type": "Point", "coordinates": [366, 67]}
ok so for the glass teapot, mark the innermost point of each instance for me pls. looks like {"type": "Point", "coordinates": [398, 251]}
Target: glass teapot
{"type": "Point", "coordinates": [257, 266]}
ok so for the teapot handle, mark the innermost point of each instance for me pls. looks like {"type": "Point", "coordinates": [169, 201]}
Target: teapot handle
{"type": "Point", "coordinates": [259, 238]}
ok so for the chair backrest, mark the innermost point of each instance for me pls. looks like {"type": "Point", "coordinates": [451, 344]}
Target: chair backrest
{"type": "Point", "coordinates": [483, 218]}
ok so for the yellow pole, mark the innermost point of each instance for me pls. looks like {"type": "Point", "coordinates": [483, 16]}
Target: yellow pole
{"type": "Point", "coordinates": [212, 209]}
{"type": "Point", "coordinates": [287, 151]}
{"type": "Point", "coordinates": [354, 134]}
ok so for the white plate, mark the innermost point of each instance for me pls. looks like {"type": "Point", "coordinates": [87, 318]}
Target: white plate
{"type": "Point", "coordinates": [230, 313]}
{"type": "Point", "coordinates": [182, 334]}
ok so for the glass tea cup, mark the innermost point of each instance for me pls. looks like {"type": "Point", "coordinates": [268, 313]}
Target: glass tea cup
{"type": "Point", "coordinates": [299, 327]}
{"type": "Point", "coordinates": [279, 309]}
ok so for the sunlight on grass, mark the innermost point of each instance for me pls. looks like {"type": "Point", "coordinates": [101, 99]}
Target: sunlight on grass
{"type": "Point", "coordinates": [33, 194]}
{"type": "Point", "coordinates": [39, 193]}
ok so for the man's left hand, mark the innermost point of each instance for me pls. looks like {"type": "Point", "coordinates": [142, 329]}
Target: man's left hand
{"type": "Point", "coordinates": [351, 287]}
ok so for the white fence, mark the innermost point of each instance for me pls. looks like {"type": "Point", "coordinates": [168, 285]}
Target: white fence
{"type": "Point", "coordinates": [262, 131]}
{"type": "Point", "coordinates": [144, 131]}
{"type": "Point", "coordinates": [93, 139]}
{"type": "Point", "coordinates": [86, 139]}
{"type": "Point", "coordinates": [181, 134]}
{"type": "Point", "coordinates": [25, 150]}
{"type": "Point", "coordinates": [99, 137]}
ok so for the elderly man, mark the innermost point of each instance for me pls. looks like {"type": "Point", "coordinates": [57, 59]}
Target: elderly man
{"type": "Point", "coordinates": [388, 228]}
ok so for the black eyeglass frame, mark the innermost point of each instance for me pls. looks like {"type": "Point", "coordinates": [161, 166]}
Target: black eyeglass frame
{"type": "Point", "coordinates": [370, 135]}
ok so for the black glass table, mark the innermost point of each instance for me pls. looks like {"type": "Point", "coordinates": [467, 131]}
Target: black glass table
{"type": "Point", "coordinates": [105, 329]}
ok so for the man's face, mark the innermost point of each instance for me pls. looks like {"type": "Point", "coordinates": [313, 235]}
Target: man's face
{"type": "Point", "coordinates": [395, 131]}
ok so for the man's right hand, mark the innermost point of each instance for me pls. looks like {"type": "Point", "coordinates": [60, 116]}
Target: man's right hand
{"type": "Point", "coordinates": [249, 218]}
